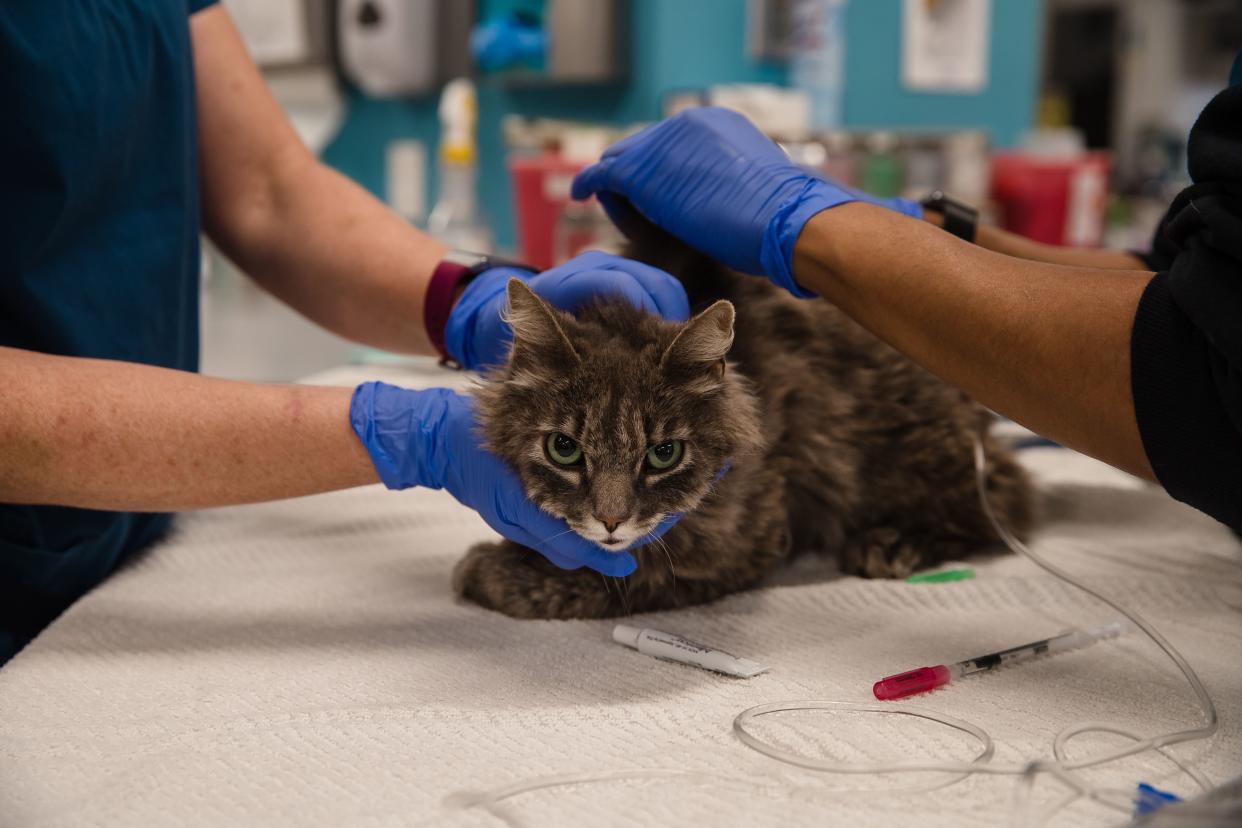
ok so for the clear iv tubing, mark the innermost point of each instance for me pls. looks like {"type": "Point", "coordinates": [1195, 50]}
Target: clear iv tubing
{"type": "Point", "coordinates": [1059, 767]}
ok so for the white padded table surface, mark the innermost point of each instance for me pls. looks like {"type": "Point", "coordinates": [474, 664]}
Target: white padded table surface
{"type": "Point", "coordinates": [305, 662]}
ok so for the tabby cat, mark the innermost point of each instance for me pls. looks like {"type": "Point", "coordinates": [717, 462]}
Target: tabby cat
{"type": "Point", "coordinates": [778, 425]}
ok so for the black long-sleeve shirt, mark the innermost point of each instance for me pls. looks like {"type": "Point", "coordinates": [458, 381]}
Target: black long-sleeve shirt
{"type": "Point", "coordinates": [1186, 343]}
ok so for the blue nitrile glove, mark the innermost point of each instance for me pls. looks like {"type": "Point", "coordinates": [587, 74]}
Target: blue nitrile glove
{"type": "Point", "coordinates": [501, 42]}
{"type": "Point", "coordinates": [477, 336]}
{"type": "Point", "coordinates": [429, 438]}
{"type": "Point", "coordinates": [709, 177]}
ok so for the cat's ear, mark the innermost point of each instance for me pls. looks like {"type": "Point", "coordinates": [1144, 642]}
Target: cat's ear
{"type": "Point", "coordinates": [705, 339]}
{"type": "Point", "coordinates": [538, 338]}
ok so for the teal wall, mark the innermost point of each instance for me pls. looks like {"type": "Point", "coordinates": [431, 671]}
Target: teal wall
{"type": "Point", "coordinates": [680, 44]}
{"type": "Point", "coordinates": [874, 95]}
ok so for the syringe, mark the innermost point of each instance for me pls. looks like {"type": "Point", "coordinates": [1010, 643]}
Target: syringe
{"type": "Point", "coordinates": [926, 679]}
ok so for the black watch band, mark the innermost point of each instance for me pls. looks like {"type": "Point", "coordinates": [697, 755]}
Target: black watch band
{"type": "Point", "coordinates": [960, 219]}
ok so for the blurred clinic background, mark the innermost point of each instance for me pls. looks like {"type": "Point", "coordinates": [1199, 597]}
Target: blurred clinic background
{"type": "Point", "coordinates": [1063, 120]}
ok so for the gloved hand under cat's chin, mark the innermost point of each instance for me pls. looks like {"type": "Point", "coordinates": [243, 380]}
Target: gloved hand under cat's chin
{"type": "Point", "coordinates": [477, 334]}
{"type": "Point", "coordinates": [429, 438]}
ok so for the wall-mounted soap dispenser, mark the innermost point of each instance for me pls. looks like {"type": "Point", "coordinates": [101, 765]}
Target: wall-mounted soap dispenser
{"type": "Point", "coordinates": [403, 47]}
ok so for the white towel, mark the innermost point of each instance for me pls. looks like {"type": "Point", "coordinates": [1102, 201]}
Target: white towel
{"type": "Point", "coordinates": [305, 662]}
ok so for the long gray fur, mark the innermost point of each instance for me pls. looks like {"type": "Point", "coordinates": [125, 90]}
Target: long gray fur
{"type": "Point", "coordinates": [836, 444]}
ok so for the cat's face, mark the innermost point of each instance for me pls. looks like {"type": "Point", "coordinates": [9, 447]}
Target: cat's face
{"type": "Point", "coordinates": [616, 419]}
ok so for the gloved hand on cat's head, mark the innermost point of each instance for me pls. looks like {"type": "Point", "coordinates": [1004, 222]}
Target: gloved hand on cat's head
{"type": "Point", "coordinates": [429, 438]}
{"type": "Point", "coordinates": [477, 334]}
{"type": "Point", "coordinates": [710, 178]}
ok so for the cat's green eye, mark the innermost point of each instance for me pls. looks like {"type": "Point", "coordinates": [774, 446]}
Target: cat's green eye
{"type": "Point", "coordinates": [563, 450]}
{"type": "Point", "coordinates": [664, 456]}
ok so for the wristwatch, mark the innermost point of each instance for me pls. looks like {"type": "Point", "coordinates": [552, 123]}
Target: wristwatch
{"type": "Point", "coordinates": [960, 219]}
{"type": "Point", "coordinates": [452, 274]}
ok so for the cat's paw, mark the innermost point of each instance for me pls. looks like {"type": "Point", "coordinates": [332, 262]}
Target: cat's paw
{"type": "Point", "coordinates": [517, 581]}
{"type": "Point", "coordinates": [880, 553]}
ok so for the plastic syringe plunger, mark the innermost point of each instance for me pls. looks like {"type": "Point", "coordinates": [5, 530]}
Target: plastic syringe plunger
{"type": "Point", "coordinates": [912, 682]}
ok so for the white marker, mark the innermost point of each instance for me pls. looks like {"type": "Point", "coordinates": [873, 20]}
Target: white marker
{"type": "Point", "coordinates": [675, 648]}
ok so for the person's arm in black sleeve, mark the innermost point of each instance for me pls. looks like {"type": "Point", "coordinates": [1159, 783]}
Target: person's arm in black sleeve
{"type": "Point", "coordinates": [1186, 344]}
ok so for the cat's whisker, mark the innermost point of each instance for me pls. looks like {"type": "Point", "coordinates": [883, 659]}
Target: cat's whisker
{"type": "Point", "coordinates": [668, 554]}
{"type": "Point", "coordinates": [555, 536]}
{"type": "Point", "coordinates": [624, 592]}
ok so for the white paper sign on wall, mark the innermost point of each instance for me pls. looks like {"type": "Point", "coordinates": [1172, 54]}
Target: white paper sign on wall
{"type": "Point", "coordinates": [945, 45]}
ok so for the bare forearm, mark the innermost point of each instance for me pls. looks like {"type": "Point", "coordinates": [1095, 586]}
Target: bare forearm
{"type": "Point", "coordinates": [1047, 345]}
{"type": "Point", "coordinates": [113, 435]}
{"type": "Point", "coordinates": [309, 235]}
{"type": "Point", "coordinates": [333, 252]}
{"type": "Point", "coordinates": [1011, 244]}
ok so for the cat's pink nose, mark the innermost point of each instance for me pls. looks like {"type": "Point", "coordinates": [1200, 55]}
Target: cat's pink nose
{"type": "Point", "coordinates": [611, 522]}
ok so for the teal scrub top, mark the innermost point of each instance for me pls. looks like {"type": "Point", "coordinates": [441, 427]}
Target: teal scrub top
{"type": "Point", "coordinates": [99, 252]}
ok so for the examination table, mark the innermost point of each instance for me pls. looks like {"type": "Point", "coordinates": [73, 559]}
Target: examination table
{"type": "Point", "coordinates": [306, 663]}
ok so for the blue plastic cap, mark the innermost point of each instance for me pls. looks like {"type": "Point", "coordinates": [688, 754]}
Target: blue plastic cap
{"type": "Point", "coordinates": [1148, 798]}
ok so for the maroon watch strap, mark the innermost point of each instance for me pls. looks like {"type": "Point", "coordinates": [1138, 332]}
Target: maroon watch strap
{"type": "Point", "coordinates": [439, 300]}
{"type": "Point", "coordinates": [453, 271]}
